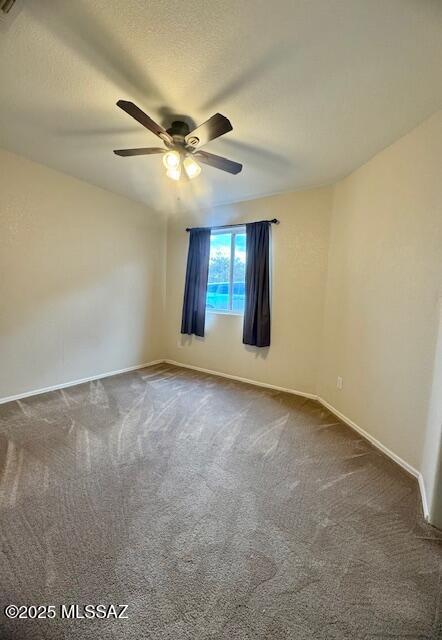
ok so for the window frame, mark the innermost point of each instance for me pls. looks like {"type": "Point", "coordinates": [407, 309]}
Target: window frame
{"type": "Point", "coordinates": [234, 231]}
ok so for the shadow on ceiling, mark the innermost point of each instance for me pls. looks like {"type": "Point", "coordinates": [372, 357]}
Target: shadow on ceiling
{"type": "Point", "coordinates": [79, 29]}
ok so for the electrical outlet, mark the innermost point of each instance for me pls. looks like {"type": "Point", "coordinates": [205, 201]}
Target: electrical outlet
{"type": "Point", "coordinates": [339, 383]}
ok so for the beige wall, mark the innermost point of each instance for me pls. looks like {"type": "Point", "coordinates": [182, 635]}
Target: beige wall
{"type": "Point", "coordinates": [299, 248]}
{"type": "Point", "coordinates": [81, 279]}
{"type": "Point", "coordinates": [382, 300]}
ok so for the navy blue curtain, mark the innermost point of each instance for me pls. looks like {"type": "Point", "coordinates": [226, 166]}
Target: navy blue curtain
{"type": "Point", "coordinates": [256, 329]}
{"type": "Point", "coordinates": [197, 272]}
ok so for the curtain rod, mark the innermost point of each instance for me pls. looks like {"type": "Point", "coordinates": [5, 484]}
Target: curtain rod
{"type": "Point", "coordinates": [229, 226]}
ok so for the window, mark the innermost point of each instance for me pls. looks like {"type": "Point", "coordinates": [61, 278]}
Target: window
{"type": "Point", "coordinates": [227, 268]}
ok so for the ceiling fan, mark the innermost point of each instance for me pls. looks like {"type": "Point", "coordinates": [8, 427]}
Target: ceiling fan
{"type": "Point", "coordinates": [183, 146]}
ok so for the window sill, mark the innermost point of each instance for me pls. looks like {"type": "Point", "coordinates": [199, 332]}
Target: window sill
{"type": "Point", "coordinates": [224, 313]}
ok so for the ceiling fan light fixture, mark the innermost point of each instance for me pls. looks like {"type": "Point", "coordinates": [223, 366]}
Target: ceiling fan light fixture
{"type": "Point", "coordinates": [171, 160]}
{"type": "Point", "coordinates": [174, 172]}
{"type": "Point", "coordinates": [191, 167]}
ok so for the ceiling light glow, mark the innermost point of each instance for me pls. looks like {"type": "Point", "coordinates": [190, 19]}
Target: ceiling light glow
{"type": "Point", "coordinates": [171, 159]}
{"type": "Point", "coordinates": [174, 172]}
{"type": "Point", "coordinates": [191, 167]}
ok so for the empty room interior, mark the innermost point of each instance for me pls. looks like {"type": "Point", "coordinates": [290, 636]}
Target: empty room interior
{"type": "Point", "coordinates": [221, 320]}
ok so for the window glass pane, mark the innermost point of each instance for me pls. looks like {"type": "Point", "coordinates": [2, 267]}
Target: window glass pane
{"type": "Point", "coordinates": [239, 271]}
{"type": "Point", "coordinates": [219, 272]}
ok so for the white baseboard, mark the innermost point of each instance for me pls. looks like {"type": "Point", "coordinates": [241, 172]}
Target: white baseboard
{"type": "Point", "coordinates": [411, 470]}
{"type": "Point", "coordinates": [423, 491]}
{"type": "Point", "coordinates": [72, 383]}
{"type": "Point", "coordinates": [266, 385]}
{"type": "Point", "coordinates": [370, 438]}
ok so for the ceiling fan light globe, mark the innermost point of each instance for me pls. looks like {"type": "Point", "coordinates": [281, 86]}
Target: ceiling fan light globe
{"type": "Point", "coordinates": [171, 159]}
{"type": "Point", "coordinates": [174, 172]}
{"type": "Point", "coordinates": [191, 168]}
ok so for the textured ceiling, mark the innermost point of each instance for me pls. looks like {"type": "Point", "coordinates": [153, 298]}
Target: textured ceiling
{"type": "Point", "coordinates": [313, 88]}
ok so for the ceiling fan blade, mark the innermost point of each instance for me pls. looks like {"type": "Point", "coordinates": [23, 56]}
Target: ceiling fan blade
{"type": "Point", "coordinates": [218, 161]}
{"type": "Point", "coordinates": [143, 118]}
{"type": "Point", "coordinates": [214, 127]}
{"type": "Point", "coordinates": [143, 151]}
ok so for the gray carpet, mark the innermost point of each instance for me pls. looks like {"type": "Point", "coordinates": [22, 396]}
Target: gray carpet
{"type": "Point", "coordinates": [213, 509]}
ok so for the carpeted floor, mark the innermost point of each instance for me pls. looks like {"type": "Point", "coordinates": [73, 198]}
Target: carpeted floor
{"type": "Point", "coordinates": [213, 509]}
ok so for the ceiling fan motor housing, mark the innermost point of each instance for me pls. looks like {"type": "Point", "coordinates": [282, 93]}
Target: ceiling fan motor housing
{"type": "Point", "coordinates": [178, 129]}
